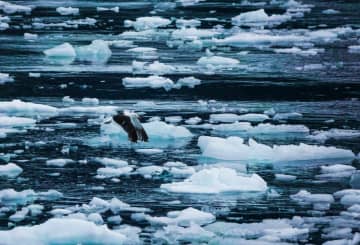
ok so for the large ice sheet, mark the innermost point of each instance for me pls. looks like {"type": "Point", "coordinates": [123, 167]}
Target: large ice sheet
{"type": "Point", "coordinates": [234, 148]}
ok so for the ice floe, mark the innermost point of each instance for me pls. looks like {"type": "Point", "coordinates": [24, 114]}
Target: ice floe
{"type": "Point", "coordinates": [10, 170]}
{"type": "Point", "coordinates": [151, 81]}
{"type": "Point", "coordinates": [10, 8]}
{"type": "Point", "coordinates": [98, 52]}
{"type": "Point", "coordinates": [67, 10]}
{"type": "Point", "coordinates": [20, 108]}
{"type": "Point", "coordinates": [71, 231]}
{"type": "Point", "coordinates": [183, 218]}
{"type": "Point", "coordinates": [60, 51]}
{"type": "Point", "coordinates": [216, 180]}
{"type": "Point", "coordinates": [5, 78]}
{"type": "Point", "coordinates": [60, 162]}
{"type": "Point", "coordinates": [334, 133]}
{"type": "Point", "coordinates": [259, 18]}
{"type": "Point", "coordinates": [234, 148]}
{"type": "Point", "coordinates": [145, 23]}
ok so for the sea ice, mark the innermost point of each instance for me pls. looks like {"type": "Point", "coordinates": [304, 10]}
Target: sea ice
{"type": "Point", "coordinates": [183, 218]}
{"type": "Point", "coordinates": [60, 162]}
{"type": "Point", "coordinates": [61, 51]}
{"type": "Point", "coordinates": [216, 180]}
{"type": "Point", "coordinates": [10, 170]}
{"type": "Point", "coordinates": [151, 81]}
{"type": "Point", "coordinates": [68, 231]}
{"type": "Point", "coordinates": [146, 23]}
{"type": "Point", "coordinates": [234, 148]}
{"type": "Point", "coordinates": [97, 52]}
{"type": "Point", "coordinates": [5, 78]}
{"type": "Point", "coordinates": [67, 10]}
{"type": "Point", "coordinates": [259, 18]}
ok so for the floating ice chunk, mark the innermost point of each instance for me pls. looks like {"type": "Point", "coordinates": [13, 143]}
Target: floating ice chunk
{"type": "Point", "coordinates": [354, 49]}
{"type": "Point", "coordinates": [5, 78]}
{"type": "Point", "coordinates": [251, 38]}
{"type": "Point", "coordinates": [146, 23]}
{"type": "Point", "coordinates": [114, 9]}
{"type": "Point", "coordinates": [159, 68]}
{"type": "Point", "coordinates": [18, 107]}
{"type": "Point", "coordinates": [100, 110]}
{"type": "Point", "coordinates": [142, 50]}
{"type": "Point", "coordinates": [262, 128]}
{"type": "Point", "coordinates": [342, 193]}
{"type": "Point", "coordinates": [349, 200]}
{"type": "Point", "coordinates": [278, 229]}
{"type": "Point", "coordinates": [6, 121]}
{"type": "Point", "coordinates": [4, 26]}
{"type": "Point", "coordinates": [336, 168]}
{"type": "Point", "coordinates": [259, 18]}
{"type": "Point", "coordinates": [10, 170]}
{"type": "Point", "coordinates": [30, 36]}
{"type": "Point", "coordinates": [287, 116]}
{"type": "Point", "coordinates": [193, 120]}
{"type": "Point", "coordinates": [90, 101]}
{"type": "Point", "coordinates": [187, 23]}
{"type": "Point", "coordinates": [35, 209]}
{"type": "Point", "coordinates": [285, 177]}
{"type": "Point", "coordinates": [216, 180]}
{"type": "Point", "coordinates": [224, 117]}
{"type": "Point", "coordinates": [97, 52]}
{"type": "Point", "coordinates": [12, 197]}
{"type": "Point", "coordinates": [60, 162]}
{"type": "Point", "coordinates": [194, 234]}
{"type": "Point", "coordinates": [193, 34]}
{"type": "Point", "coordinates": [179, 169]}
{"type": "Point", "coordinates": [217, 61]}
{"type": "Point", "coordinates": [87, 21]}
{"type": "Point", "coordinates": [67, 10]}
{"type": "Point", "coordinates": [229, 117]}
{"type": "Point", "coordinates": [149, 171]}
{"type": "Point", "coordinates": [19, 215]}
{"type": "Point", "coordinates": [10, 8]}
{"type": "Point", "coordinates": [111, 162]}
{"type": "Point", "coordinates": [61, 51]}
{"type": "Point", "coordinates": [68, 100]}
{"type": "Point", "coordinates": [298, 51]}
{"type": "Point", "coordinates": [95, 218]}
{"type": "Point", "coordinates": [253, 117]}
{"type": "Point", "coordinates": [68, 231]}
{"type": "Point", "coordinates": [117, 206]}
{"type": "Point", "coordinates": [234, 148]}
{"type": "Point", "coordinates": [149, 151]}
{"type": "Point", "coordinates": [115, 220]}
{"type": "Point", "coordinates": [110, 172]}
{"type": "Point", "coordinates": [334, 133]}
{"type": "Point", "coordinates": [190, 82]}
{"type": "Point", "coordinates": [145, 104]}
{"type": "Point", "coordinates": [330, 11]}
{"type": "Point", "coordinates": [189, 2]}
{"type": "Point", "coordinates": [183, 218]}
{"type": "Point", "coordinates": [151, 81]}
{"type": "Point", "coordinates": [336, 171]}
{"type": "Point", "coordinates": [173, 119]}
{"type": "Point", "coordinates": [304, 196]}
{"type": "Point", "coordinates": [34, 74]}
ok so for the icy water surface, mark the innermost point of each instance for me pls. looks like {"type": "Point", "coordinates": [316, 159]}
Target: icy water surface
{"type": "Point", "coordinates": [253, 122]}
